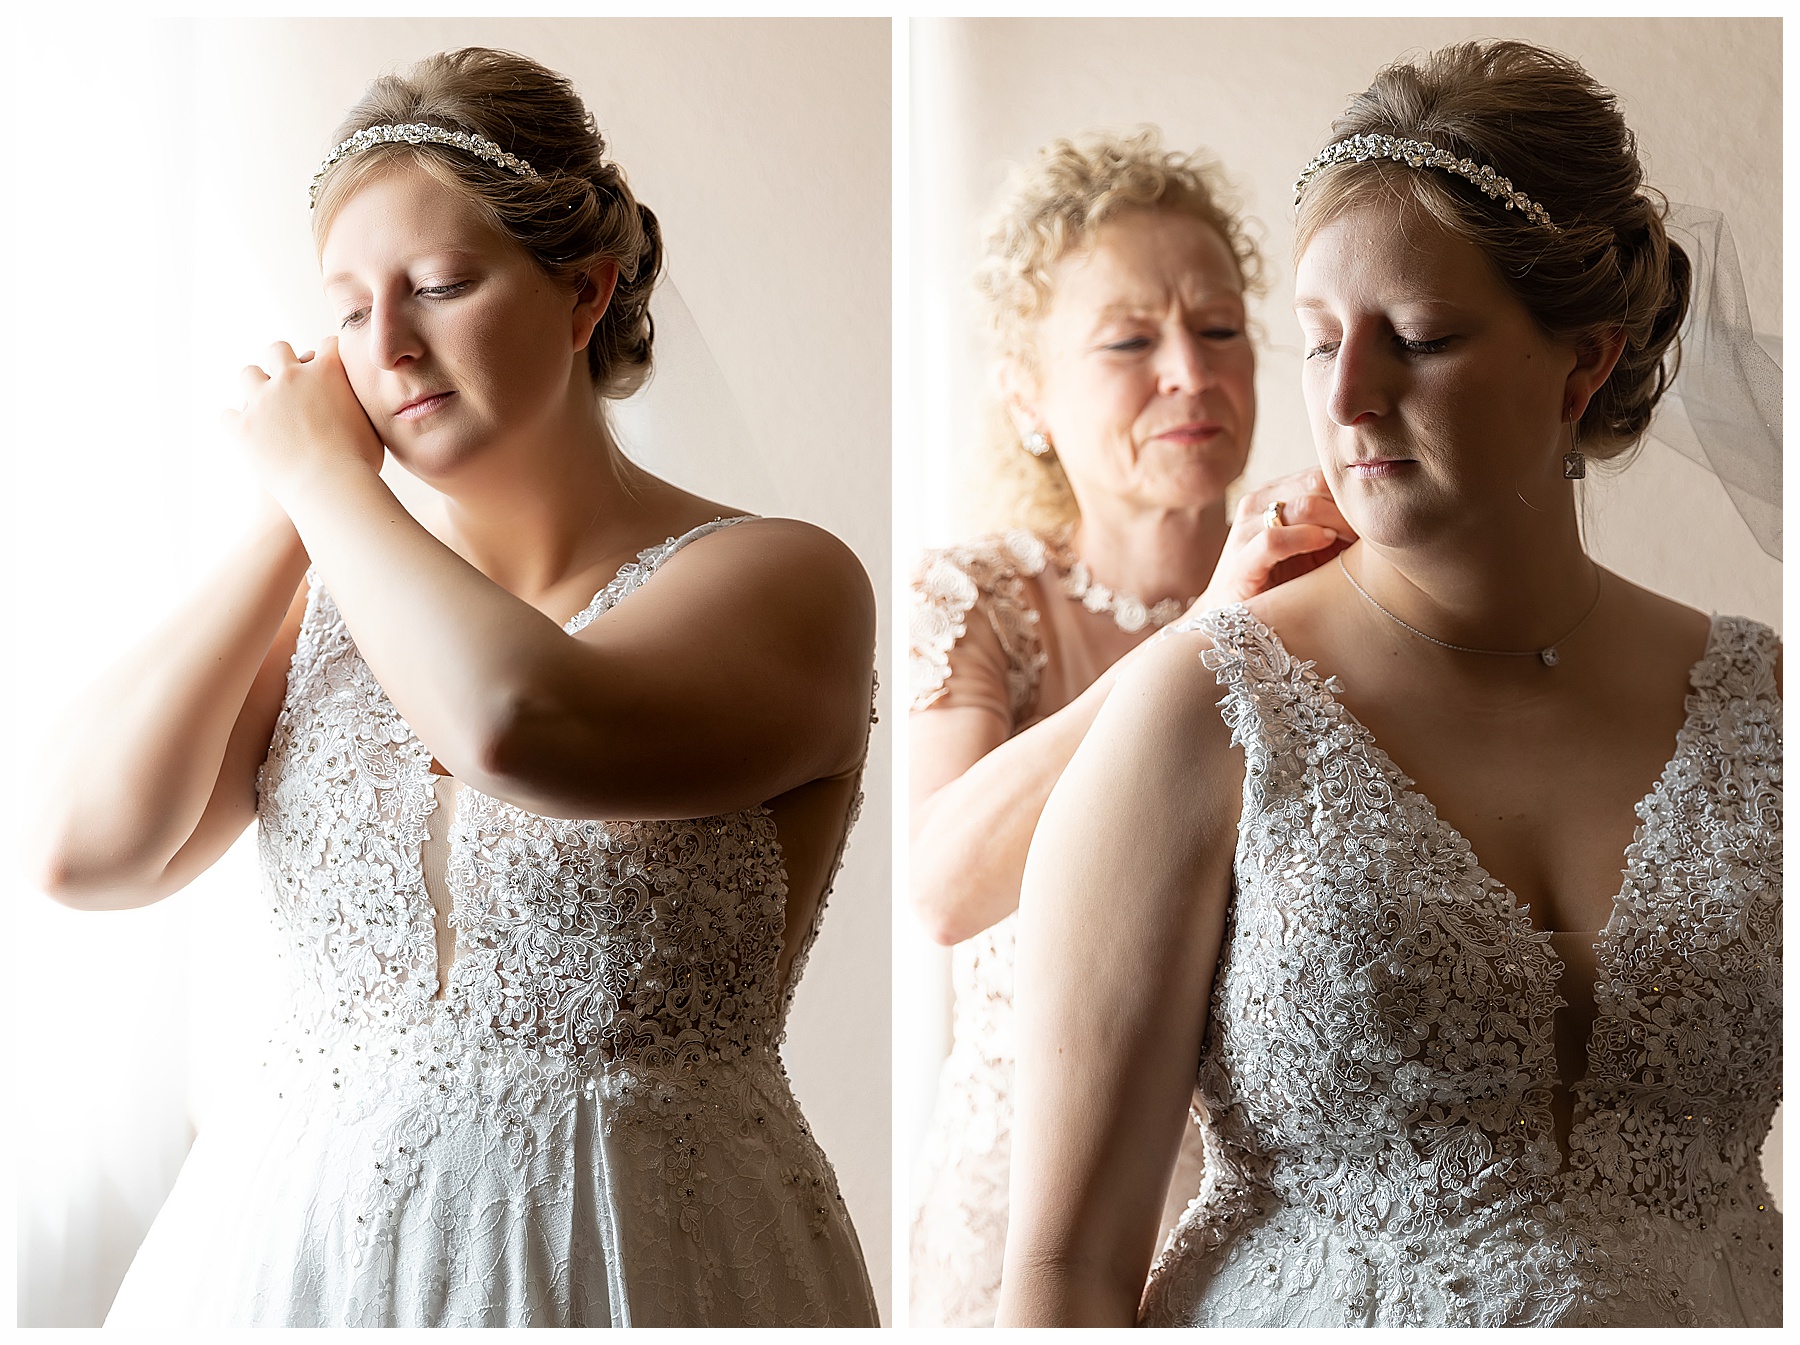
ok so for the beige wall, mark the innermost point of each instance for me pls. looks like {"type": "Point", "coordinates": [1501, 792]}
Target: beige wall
{"type": "Point", "coordinates": [762, 145]}
{"type": "Point", "coordinates": [1704, 97]}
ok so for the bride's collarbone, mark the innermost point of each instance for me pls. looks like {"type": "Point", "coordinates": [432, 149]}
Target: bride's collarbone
{"type": "Point", "coordinates": [1541, 774]}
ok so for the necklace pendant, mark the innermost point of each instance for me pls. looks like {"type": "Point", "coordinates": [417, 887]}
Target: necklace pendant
{"type": "Point", "coordinates": [1548, 656]}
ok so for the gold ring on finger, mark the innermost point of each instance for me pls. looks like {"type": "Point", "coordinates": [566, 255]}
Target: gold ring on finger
{"type": "Point", "coordinates": [1272, 517]}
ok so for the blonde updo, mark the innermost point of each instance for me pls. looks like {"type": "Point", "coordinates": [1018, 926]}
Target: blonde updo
{"type": "Point", "coordinates": [576, 214]}
{"type": "Point", "coordinates": [1049, 208]}
{"type": "Point", "coordinates": [1538, 118]}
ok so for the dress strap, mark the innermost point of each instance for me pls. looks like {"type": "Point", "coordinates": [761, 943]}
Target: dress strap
{"type": "Point", "coordinates": [633, 573]}
{"type": "Point", "coordinates": [1739, 663]}
{"type": "Point", "coordinates": [1274, 704]}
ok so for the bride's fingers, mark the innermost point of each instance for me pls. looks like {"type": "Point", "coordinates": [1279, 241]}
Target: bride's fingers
{"type": "Point", "coordinates": [282, 353]}
{"type": "Point", "coordinates": [250, 378]}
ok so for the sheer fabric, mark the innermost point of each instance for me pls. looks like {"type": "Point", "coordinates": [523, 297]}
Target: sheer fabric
{"type": "Point", "coordinates": [1376, 1075]}
{"type": "Point", "coordinates": [591, 1125]}
{"type": "Point", "coordinates": [990, 631]}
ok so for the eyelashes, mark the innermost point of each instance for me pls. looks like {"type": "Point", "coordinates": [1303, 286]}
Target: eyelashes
{"type": "Point", "coordinates": [448, 290]}
{"type": "Point", "coordinates": [1407, 346]}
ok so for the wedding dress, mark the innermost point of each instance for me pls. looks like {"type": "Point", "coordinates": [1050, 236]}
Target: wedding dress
{"type": "Point", "coordinates": [990, 632]}
{"type": "Point", "coordinates": [591, 1125]}
{"type": "Point", "coordinates": [1378, 1063]}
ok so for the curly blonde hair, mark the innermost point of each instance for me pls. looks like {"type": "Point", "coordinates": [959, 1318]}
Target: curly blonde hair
{"type": "Point", "coordinates": [1049, 208]}
{"type": "Point", "coordinates": [577, 213]}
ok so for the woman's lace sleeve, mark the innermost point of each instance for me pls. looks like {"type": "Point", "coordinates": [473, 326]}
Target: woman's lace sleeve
{"type": "Point", "coordinates": [995, 660]}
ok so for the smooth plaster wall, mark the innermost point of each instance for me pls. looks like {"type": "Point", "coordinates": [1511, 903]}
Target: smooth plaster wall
{"type": "Point", "coordinates": [764, 148]}
{"type": "Point", "coordinates": [1704, 97]}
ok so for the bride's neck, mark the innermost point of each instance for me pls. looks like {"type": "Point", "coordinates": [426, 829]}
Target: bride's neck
{"type": "Point", "coordinates": [1500, 588]}
{"type": "Point", "coordinates": [534, 510]}
{"type": "Point", "coordinates": [1152, 554]}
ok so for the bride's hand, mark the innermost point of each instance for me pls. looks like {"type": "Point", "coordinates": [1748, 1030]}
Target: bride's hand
{"type": "Point", "coordinates": [1259, 556]}
{"type": "Point", "coordinates": [300, 416]}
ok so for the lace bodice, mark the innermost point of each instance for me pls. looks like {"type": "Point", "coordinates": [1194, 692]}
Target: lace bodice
{"type": "Point", "coordinates": [598, 942]}
{"type": "Point", "coordinates": [1379, 1053]}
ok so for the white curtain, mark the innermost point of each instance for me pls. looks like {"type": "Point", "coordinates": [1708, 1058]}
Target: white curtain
{"type": "Point", "coordinates": [125, 301]}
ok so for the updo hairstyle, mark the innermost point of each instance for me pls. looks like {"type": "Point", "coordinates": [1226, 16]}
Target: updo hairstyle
{"type": "Point", "coordinates": [577, 213]}
{"type": "Point", "coordinates": [1538, 118]}
{"type": "Point", "coordinates": [1049, 208]}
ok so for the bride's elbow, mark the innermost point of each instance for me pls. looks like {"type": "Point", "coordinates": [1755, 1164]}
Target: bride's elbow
{"type": "Point", "coordinates": [71, 876]}
{"type": "Point", "coordinates": [1060, 1286]}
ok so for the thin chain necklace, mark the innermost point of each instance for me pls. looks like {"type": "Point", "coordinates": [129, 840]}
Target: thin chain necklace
{"type": "Point", "coordinates": [1129, 614]}
{"type": "Point", "coordinates": [1547, 655]}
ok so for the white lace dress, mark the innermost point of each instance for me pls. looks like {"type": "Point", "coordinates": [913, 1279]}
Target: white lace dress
{"type": "Point", "coordinates": [1379, 1055]}
{"type": "Point", "coordinates": [592, 1126]}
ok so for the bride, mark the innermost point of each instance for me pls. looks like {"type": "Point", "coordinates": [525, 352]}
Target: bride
{"type": "Point", "coordinates": [1454, 1071]}
{"type": "Point", "coordinates": [532, 1070]}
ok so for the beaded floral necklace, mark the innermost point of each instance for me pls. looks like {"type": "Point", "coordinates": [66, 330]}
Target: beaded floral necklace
{"type": "Point", "coordinates": [1131, 614]}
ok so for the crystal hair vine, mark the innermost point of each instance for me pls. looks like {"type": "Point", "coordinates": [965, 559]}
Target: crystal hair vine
{"type": "Point", "coordinates": [1424, 154]}
{"type": "Point", "coordinates": [417, 133]}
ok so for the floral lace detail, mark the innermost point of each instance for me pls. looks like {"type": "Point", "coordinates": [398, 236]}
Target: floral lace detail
{"type": "Point", "coordinates": [619, 971]}
{"type": "Point", "coordinates": [952, 582]}
{"type": "Point", "coordinates": [1379, 1049]}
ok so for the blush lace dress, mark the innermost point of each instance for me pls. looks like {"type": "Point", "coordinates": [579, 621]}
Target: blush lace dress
{"type": "Point", "coordinates": [591, 1126]}
{"type": "Point", "coordinates": [1376, 1076]}
{"type": "Point", "coordinates": [991, 628]}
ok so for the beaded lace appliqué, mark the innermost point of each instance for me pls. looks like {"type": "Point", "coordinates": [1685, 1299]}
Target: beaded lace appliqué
{"type": "Point", "coordinates": [1379, 1047]}
{"type": "Point", "coordinates": [634, 963]}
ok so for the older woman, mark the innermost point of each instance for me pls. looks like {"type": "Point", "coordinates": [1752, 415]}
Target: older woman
{"type": "Point", "coordinates": [1451, 1070]}
{"type": "Point", "coordinates": [531, 1074]}
{"type": "Point", "coordinates": [1115, 284]}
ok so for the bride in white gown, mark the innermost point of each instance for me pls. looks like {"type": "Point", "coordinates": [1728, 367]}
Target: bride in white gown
{"type": "Point", "coordinates": [1453, 1070]}
{"type": "Point", "coordinates": [532, 1070]}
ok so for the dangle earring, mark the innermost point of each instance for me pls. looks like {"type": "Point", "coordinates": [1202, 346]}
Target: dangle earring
{"type": "Point", "coordinates": [1037, 443]}
{"type": "Point", "coordinates": [1574, 461]}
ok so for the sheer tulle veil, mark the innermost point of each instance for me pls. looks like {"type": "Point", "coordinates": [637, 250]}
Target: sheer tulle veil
{"type": "Point", "coordinates": [685, 425]}
{"type": "Point", "coordinates": [1724, 409]}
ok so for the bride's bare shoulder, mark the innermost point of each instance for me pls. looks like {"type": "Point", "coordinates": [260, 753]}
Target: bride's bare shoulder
{"type": "Point", "coordinates": [1167, 704]}
{"type": "Point", "coordinates": [1292, 610]}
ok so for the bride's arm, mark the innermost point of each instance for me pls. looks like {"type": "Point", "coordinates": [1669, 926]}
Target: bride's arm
{"type": "Point", "coordinates": [741, 671]}
{"type": "Point", "coordinates": [1123, 911]}
{"type": "Point", "coordinates": [152, 773]}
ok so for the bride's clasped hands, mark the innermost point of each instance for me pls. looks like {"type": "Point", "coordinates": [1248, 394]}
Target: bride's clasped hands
{"type": "Point", "coordinates": [301, 423]}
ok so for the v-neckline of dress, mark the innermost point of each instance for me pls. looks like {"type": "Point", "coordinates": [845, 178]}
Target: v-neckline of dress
{"type": "Point", "coordinates": [1510, 907]}
{"type": "Point", "coordinates": [626, 580]}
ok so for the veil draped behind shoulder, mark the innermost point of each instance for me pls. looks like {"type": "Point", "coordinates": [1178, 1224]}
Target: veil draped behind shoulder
{"type": "Point", "coordinates": [1724, 409]}
{"type": "Point", "coordinates": [685, 424]}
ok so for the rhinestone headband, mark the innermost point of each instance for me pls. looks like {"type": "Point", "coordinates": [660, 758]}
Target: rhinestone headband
{"type": "Point", "coordinates": [417, 133]}
{"type": "Point", "coordinates": [1424, 154]}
